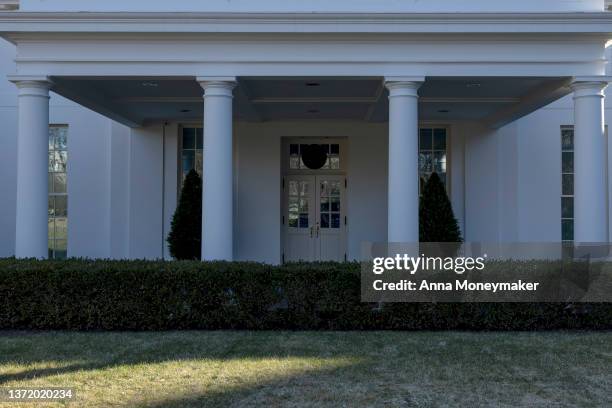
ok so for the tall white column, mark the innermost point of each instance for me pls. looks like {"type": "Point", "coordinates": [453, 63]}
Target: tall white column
{"type": "Point", "coordinates": [590, 190]}
{"type": "Point", "coordinates": [403, 205]}
{"type": "Point", "coordinates": [32, 169]}
{"type": "Point", "coordinates": [217, 200]}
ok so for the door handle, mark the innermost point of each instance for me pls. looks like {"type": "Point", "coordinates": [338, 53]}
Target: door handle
{"type": "Point", "coordinates": [318, 230]}
{"type": "Point", "coordinates": [311, 231]}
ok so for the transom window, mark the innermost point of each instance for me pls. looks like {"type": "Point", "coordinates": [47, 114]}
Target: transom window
{"type": "Point", "coordinates": [192, 149]}
{"type": "Point", "coordinates": [58, 192]}
{"type": "Point", "coordinates": [567, 183]}
{"type": "Point", "coordinates": [296, 152]}
{"type": "Point", "coordinates": [432, 154]}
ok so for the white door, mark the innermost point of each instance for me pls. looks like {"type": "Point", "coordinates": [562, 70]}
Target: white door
{"type": "Point", "coordinates": [299, 218]}
{"type": "Point", "coordinates": [331, 222]}
{"type": "Point", "coordinates": [314, 219]}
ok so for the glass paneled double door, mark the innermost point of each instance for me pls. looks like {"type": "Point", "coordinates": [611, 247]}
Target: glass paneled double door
{"type": "Point", "coordinates": [314, 218]}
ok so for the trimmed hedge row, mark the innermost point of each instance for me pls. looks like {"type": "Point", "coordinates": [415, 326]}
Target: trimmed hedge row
{"type": "Point", "coordinates": [143, 295]}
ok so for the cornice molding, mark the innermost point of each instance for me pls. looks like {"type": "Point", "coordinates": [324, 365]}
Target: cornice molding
{"type": "Point", "coordinates": [304, 15]}
{"type": "Point", "coordinates": [137, 22]}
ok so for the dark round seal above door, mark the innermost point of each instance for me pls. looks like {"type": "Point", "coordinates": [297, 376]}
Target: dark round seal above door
{"type": "Point", "coordinates": [314, 156]}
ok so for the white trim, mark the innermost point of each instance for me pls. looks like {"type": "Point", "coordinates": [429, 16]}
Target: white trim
{"type": "Point", "coordinates": [195, 22]}
{"type": "Point", "coordinates": [205, 80]}
{"type": "Point", "coordinates": [391, 80]}
{"type": "Point", "coordinates": [593, 78]}
{"type": "Point", "coordinates": [28, 78]}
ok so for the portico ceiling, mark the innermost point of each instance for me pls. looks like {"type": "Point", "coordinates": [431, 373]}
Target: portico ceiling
{"type": "Point", "coordinates": [136, 101]}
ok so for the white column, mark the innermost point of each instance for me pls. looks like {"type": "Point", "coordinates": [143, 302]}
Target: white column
{"type": "Point", "coordinates": [403, 205]}
{"type": "Point", "coordinates": [590, 190]}
{"type": "Point", "coordinates": [32, 169]}
{"type": "Point", "coordinates": [217, 200]}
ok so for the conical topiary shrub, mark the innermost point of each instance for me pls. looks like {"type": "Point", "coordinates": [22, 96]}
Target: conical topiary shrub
{"type": "Point", "coordinates": [185, 237]}
{"type": "Point", "coordinates": [437, 222]}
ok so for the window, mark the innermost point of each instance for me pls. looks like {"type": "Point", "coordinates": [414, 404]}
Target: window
{"type": "Point", "coordinates": [296, 162]}
{"type": "Point", "coordinates": [330, 191]}
{"type": "Point", "coordinates": [432, 154]}
{"type": "Point", "coordinates": [567, 183]}
{"type": "Point", "coordinates": [58, 192]}
{"type": "Point", "coordinates": [299, 197]}
{"type": "Point", "coordinates": [192, 148]}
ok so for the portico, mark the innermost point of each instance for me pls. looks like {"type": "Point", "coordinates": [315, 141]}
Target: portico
{"type": "Point", "coordinates": [438, 72]}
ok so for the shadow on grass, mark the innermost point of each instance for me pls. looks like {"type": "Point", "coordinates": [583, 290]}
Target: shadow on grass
{"type": "Point", "coordinates": [320, 369]}
{"type": "Point", "coordinates": [39, 373]}
{"type": "Point", "coordinates": [87, 352]}
{"type": "Point", "coordinates": [301, 389]}
{"type": "Point", "coordinates": [271, 391]}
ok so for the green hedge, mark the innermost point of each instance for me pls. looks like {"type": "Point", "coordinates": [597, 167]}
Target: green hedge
{"type": "Point", "coordinates": [142, 295]}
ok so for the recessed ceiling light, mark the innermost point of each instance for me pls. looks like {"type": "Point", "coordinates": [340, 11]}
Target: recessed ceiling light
{"type": "Point", "coordinates": [313, 84]}
{"type": "Point", "coordinates": [150, 84]}
{"type": "Point", "coordinates": [443, 111]}
{"type": "Point", "coordinates": [185, 110]}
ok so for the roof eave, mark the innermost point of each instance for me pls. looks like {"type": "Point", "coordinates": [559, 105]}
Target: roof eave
{"type": "Point", "coordinates": [36, 23]}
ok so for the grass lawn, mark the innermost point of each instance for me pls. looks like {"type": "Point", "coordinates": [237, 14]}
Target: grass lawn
{"type": "Point", "coordinates": [283, 369]}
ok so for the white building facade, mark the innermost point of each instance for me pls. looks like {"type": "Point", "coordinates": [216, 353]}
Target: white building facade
{"type": "Point", "coordinates": [106, 105]}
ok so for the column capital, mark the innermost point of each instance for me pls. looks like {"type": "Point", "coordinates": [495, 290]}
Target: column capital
{"type": "Point", "coordinates": [589, 86]}
{"type": "Point", "coordinates": [217, 86]}
{"type": "Point", "coordinates": [31, 85]}
{"type": "Point", "coordinates": [403, 86]}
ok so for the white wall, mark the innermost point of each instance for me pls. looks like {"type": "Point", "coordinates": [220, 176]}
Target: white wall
{"type": "Point", "coordinates": [367, 187]}
{"type": "Point", "coordinates": [96, 162]}
{"type": "Point", "coordinates": [88, 178]}
{"type": "Point", "coordinates": [259, 184]}
{"type": "Point", "coordinates": [139, 199]}
{"type": "Point", "coordinates": [8, 151]}
{"type": "Point", "coordinates": [119, 191]}
{"type": "Point", "coordinates": [481, 183]}
{"type": "Point", "coordinates": [539, 136]}
{"type": "Point", "coordinates": [513, 176]}
{"type": "Point", "coordinates": [171, 180]}
{"type": "Point", "coordinates": [505, 184]}
{"type": "Point", "coordinates": [145, 193]}
{"type": "Point", "coordinates": [509, 183]}
{"type": "Point", "coordinates": [513, 181]}
{"type": "Point", "coordinates": [257, 195]}
{"type": "Point", "coordinates": [456, 169]}
{"type": "Point", "coordinates": [316, 5]}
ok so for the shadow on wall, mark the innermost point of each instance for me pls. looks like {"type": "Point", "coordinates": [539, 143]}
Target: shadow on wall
{"type": "Point", "coordinates": [609, 53]}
